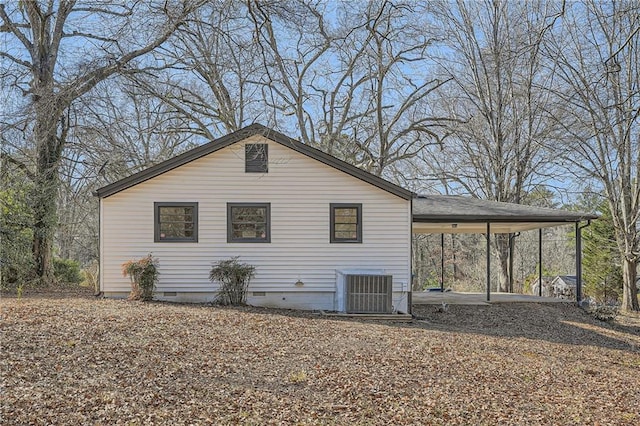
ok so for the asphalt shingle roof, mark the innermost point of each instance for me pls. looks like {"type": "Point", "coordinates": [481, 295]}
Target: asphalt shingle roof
{"type": "Point", "coordinates": [455, 214]}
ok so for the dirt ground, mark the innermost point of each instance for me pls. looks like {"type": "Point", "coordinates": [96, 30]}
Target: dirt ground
{"type": "Point", "coordinates": [74, 359]}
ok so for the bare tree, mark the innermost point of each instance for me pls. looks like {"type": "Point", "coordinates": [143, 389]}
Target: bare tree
{"type": "Point", "coordinates": [58, 51]}
{"type": "Point", "coordinates": [116, 130]}
{"type": "Point", "coordinates": [347, 78]}
{"type": "Point", "coordinates": [597, 50]}
{"type": "Point", "coordinates": [122, 129]}
{"type": "Point", "coordinates": [289, 63]}
{"type": "Point", "coordinates": [496, 150]}
{"type": "Point", "coordinates": [357, 85]}
{"type": "Point", "coordinates": [209, 70]}
{"type": "Point", "coordinates": [77, 225]}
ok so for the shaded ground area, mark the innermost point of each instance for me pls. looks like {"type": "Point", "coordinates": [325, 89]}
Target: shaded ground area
{"type": "Point", "coordinates": [561, 323]}
{"type": "Point", "coordinates": [85, 361]}
{"type": "Point", "coordinates": [458, 298]}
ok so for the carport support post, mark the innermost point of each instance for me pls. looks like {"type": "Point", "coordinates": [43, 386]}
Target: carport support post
{"type": "Point", "coordinates": [578, 262]}
{"type": "Point", "coordinates": [540, 261]}
{"type": "Point", "coordinates": [488, 261]}
{"type": "Point", "coordinates": [511, 237]}
{"type": "Point", "coordinates": [442, 263]}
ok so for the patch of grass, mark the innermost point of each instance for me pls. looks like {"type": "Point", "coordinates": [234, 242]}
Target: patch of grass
{"type": "Point", "coordinates": [299, 376]}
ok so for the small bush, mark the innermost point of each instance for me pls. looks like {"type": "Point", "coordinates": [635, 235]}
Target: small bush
{"type": "Point", "coordinates": [67, 271]}
{"type": "Point", "coordinates": [16, 235]}
{"type": "Point", "coordinates": [605, 313]}
{"type": "Point", "coordinates": [234, 278]}
{"type": "Point", "coordinates": [91, 275]}
{"type": "Point", "coordinates": [144, 277]}
{"type": "Point", "coordinates": [16, 261]}
{"type": "Point", "coordinates": [13, 275]}
{"type": "Point", "coordinates": [299, 376]}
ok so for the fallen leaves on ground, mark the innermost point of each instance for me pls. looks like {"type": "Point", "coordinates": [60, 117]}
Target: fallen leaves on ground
{"type": "Point", "coordinates": [109, 362]}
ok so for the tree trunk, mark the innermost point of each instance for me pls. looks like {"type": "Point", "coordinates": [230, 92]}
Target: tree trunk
{"type": "Point", "coordinates": [39, 30]}
{"type": "Point", "coordinates": [45, 192]}
{"type": "Point", "coordinates": [44, 211]}
{"type": "Point", "coordinates": [502, 247]}
{"type": "Point", "coordinates": [629, 288]}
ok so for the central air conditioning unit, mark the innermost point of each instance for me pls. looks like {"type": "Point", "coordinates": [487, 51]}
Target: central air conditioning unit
{"type": "Point", "coordinates": [368, 294]}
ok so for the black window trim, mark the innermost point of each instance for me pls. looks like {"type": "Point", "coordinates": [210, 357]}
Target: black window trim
{"type": "Point", "coordinates": [332, 222]}
{"type": "Point", "coordinates": [253, 165]}
{"type": "Point", "coordinates": [230, 238]}
{"type": "Point", "coordinates": [156, 221]}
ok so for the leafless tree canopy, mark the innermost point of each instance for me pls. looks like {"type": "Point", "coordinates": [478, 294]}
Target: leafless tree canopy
{"type": "Point", "coordinates": [597, 88]}
{"type": "Point", "coordinates": [56, 52]}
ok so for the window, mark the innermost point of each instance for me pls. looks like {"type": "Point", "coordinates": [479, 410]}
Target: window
{"type": "Point", "coordinates": [346, 223]}
{"type": "Point", "coordinates": [176, 222]}
{"type": "Point", "coordinates": [248, 222]}
{"type": "Point", "coordinates": [256, 158]}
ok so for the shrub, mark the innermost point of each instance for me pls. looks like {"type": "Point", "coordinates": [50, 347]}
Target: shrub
{"type": "Point", "coordinates": [67, 271]}
{"type": "Point", "coordinates": [15, 274]}
{"type": "Point", "coordinates": [91, 276]}
{"type": "Point", "coordinates": [234, 278]}
{"type": "Point", "coordinates": [605, 313]}
{"type": "Point", "coordinates": [144, 277]}
{"type": "Point", "coordinates": [16, 235]}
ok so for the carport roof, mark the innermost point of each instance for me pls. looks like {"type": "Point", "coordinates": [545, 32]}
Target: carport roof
{"type": "Point", "coordinates": [454, 214]}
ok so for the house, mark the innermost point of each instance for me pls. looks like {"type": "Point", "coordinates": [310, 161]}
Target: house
{"type": "Point", "coordinates": [559, 286]}
{"type": "Point", "coordinates": [564, 286]}
{"type": "Point", "coordinates": [321, 233]}
{"type": "Point", "coordinates": [547, 290]}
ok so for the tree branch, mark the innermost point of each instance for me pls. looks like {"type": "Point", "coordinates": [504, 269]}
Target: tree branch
{"type": "Point", "coordinates": [128, 11]}
{"type": "Point", "coordinates": [85, 83]}
{"type": "Point", "coordinates": [12, 58]}
{"type": "Point", "coordinates": [19, 164]}
{"type": "Point", "coordinates": [10, 26]}
{"type": "Point", "coordinates": [89, 36]}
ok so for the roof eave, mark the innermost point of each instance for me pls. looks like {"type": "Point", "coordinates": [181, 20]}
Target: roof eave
{"type": "Point", "coordinates": [174, 162]}
{"type": "Point", "coordinates": [230, 139]}
{"type": "Point", "coordinates": [501, 219]}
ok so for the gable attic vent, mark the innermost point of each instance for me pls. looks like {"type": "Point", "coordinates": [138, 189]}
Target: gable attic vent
{"type": "Point", "coordinates": [369, 294]}
{"type": "Point", "coordinates": [256, 158]}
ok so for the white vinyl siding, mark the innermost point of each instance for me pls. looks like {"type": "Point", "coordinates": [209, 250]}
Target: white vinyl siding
{"type": "Point", "coordinates": [299, 190]}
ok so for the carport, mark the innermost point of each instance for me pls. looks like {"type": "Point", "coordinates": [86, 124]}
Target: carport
{"type": "Point", "coordinates": [445, 214]}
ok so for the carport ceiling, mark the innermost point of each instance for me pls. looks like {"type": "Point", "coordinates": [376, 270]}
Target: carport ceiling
{"type": "Point", "coordinates": [436, 214]}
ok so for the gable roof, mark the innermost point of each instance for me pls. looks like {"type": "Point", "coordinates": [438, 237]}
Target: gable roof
{"type": "Point", "coordinates": [230, 139]}
{"type": "Point", "coordinates": [569, 280]}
